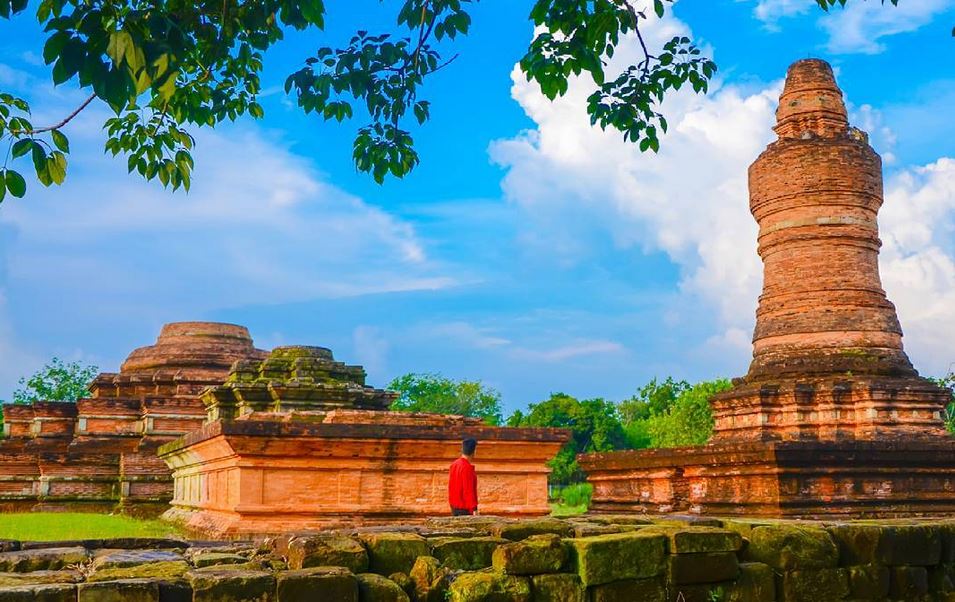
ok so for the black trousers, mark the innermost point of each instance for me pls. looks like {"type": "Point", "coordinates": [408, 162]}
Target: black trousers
{"type": "Point", "coordinates": [460, 512]}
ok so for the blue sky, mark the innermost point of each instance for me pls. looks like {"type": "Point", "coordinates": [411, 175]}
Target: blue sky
{"type": "Point", "coordinates": [528, 250]}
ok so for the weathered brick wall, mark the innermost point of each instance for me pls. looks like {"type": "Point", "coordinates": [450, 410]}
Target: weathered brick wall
{"type": "Point", "coordinates": [624, 558]}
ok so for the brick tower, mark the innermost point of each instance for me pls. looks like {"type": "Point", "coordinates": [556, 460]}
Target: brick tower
{"type": "Point", "coordinates": [827, 351]}
{"type": "Point", "coordinates": [831, 418]}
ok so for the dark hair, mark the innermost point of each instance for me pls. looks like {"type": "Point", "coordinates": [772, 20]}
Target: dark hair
{"type": "Point", "coordinates": [468, 446]}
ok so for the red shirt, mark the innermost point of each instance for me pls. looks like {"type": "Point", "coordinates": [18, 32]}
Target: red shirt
{"type": "Point", "coordinates": [462, 485]}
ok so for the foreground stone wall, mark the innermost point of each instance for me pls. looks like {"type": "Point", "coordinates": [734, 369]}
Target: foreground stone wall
{"type": "Point", "coordinates": [587, 559]}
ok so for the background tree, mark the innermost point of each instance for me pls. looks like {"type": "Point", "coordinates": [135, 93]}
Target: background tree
{"type": "Point", "coordinates": [949, 414]}
{"type": "Point", "coordinates": [167, 67]}
{"type": "Point", "coordinates": [594, 424]}
{"type": "Point", "coordinates": [56, 381]}
{"type": "Point", "coordinates": [436, 394]}
{"type": "Point", "coordinates": [671, 413]}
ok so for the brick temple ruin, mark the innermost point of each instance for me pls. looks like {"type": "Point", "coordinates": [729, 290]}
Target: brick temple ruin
{"type": "Point", "coordinates": [244, 441]}
{"type": "Point", "coordinates": [831, 419]}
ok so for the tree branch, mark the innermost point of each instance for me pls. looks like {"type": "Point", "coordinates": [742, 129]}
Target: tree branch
{"type": "Point", "coordinates": [65, 121]}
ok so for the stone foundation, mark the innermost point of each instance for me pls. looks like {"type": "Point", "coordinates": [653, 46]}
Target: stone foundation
{"type": "Point", "coordinates": [483, 559]}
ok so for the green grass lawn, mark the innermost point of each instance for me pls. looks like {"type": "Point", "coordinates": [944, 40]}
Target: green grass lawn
{"type": "Point", "coordinates": [561, 510]}
{"type": "Point", "coordinates": [51, 526]}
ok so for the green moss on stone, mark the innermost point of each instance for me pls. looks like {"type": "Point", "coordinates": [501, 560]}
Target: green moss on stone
{"type": "Point", "coordinates": [155, 570]}
{"type": "Point", "coordinates": [608, 558]}
{"type": "Point", "coordinates": [217, 558]}
{"type": "Point", "coordinates": [868, 582]}
{"type": "Point", "coordinates": [317, 583]}
{"type": "Point", "coordinates": [756, 583]}
{"type": "Point", "coordinates": [519, 530]}
{"type": "Point", "coordinates": [908, 582]}
{"type": "Point", "coordinates": [39, 593]}
{"type": "Point", "coordinates": [431, 580]}
{"type": "Point", "coordinates": [44, 559]}
{"type": "Point", "coordinates": [465, 553]}
{"type": "Point", "coordinates": [327, 550]}
{"type": "Point", "coordinates": [558, 587]}
{"type": "Point", "coordinates": [786, 547]}
{"type": "Point", "coordinates": [694, 540]}
{"type": "Point", "coordinates": [489, 587]}
{"type": "Point", "coordinates": [919, 545]}
{"type": "Point", "coordinates": [820, 585]}
{"type": "Point", "coordinates": [39, 577]}
{"type": "Point", "coordinates": [858, 543]}
{"type": "Point", "coordinates": [394, 552]}
{"type": "Point", "coordinates": [532, 556]}
{"type": "Point", "coordinates": [231, 586]}
{"type": "Point", "coordinates": [375, 588]}
{"type": "Point", "coordinates": [630, 590]}
{"type": "Point", "coordinates": [706, 567]}
{"type": "Point", "coordinates": [127, 590]}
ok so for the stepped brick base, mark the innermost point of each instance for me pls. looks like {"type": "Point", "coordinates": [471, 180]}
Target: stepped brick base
{"type": "Point", "coordinates": [831, 409]}
{"type": "Point", "coordinates": [275, 473]}
{"type": "Point", "coordinates": [780, 479]}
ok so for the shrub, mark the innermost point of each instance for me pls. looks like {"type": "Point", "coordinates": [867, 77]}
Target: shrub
{"type": "Point", "coordinates": [578, 494]}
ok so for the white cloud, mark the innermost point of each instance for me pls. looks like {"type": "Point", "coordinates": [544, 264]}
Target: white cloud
{"type": "Point", "coordinates": [689, 201]}
{"type": "Point", "coordinates": [771, 11]}
{"type": "Point", "coordinates": [917, 224]}
{"type": "Point", "coordinates": [565, 352]}
{"type": "Point", "coordinates": [861, 26]}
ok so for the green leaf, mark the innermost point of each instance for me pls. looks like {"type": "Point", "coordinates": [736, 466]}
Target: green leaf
{"type": "Point", "coordinates": [15, 184]}
{"type": "Point", "coordinates": [56, 167]}
{"type": "Point", "coordinates": [60, 141]}
{"type": "Point", "coordinates": [658, 7]}
{"type": "Point", "coordinates": [3, 187]}
{"type": "Point", "coordinates": [22, 147]}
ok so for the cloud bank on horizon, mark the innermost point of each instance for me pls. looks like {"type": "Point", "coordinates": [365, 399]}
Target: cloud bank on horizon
{"type": "Point", "coordinates": [600, 268]}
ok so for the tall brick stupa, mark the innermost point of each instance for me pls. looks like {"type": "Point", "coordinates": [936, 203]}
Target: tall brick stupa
{"type": "Point", "coordinates": [831, 418]}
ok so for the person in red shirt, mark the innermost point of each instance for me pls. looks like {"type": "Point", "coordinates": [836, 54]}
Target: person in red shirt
{"type": "Point", "coordinates": [462, 482]}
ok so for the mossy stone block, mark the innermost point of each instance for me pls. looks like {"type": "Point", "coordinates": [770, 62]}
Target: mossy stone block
{"type": "Point", "coordinates": [404, 582]}
{"type": "Point", "coordinates": [39, 577]}
{"type": "Point", "coordinates": [558, 587]}
{"type": "Point", "coordinates": [535, 555]}
{"type": "Point", "coordinates": [617, 519]}
{"type": "Point", "coordinates": [756, 583]}
{"type": "Point", "coordinates": [375, 588]}
{"type": "Point", "coordinates": [465, 553]}
{"type": "Point", "coordinates": [908, 582]}
{"type": "Point", "coordinates": [231, 586]}
{"type": "Point", "coordinates": [489, 587]}
{"type": "Point", "coordinates": [941, 578]}
{"type": "Point", "coordinates": [126, 590]}
{"type": "Point", "coordinates": [785, 547]}
{"type": "Point", "coordinates": [608, 558]}
{"type": "Point", "coordinates": [48, 592]}
{"type": "Point", "coordinates": [43, 559]}
{"type": "Point", "coordinates": [591, 529]}
{"type": "Point", "coordinates": [857, 543]}
{"type": "Point", "coordinates": [706, 567]}
{"type": "Point", "coordinates": [217, 558]}
{"type": "Point", "coordinates": [317, 583]}
{"type": "Point", "coordinates": [819, 585]}
{"type": "Point", "coordinates": [869, 581]}
{"type": "Point", "coordinates": [947, 533]}
{"type": "Point", "coordinates": [630, 590]}
{"type": "Point", "coordinates": [519, 530]}
{"type": "Point", "coordinates": [918, 545]}
{"type": "Point", "coordinates": [431, 579]}
{"type": "Point", "coordinates": [394, 552]}
{"type": "Point", "coordinates": [327, 550]}
{"type": "Point", "coordinates": [694, 540]}
{"type": "Point", "coordinates": [171, 570]}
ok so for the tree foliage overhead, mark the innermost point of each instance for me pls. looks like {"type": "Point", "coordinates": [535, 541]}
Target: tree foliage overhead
{"type": "Point", "coordinates": [56, 381]}
{"type": "Point", "coordinates": [435, 394]}
{"type": "Point", "coordinates": [167, 67]}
